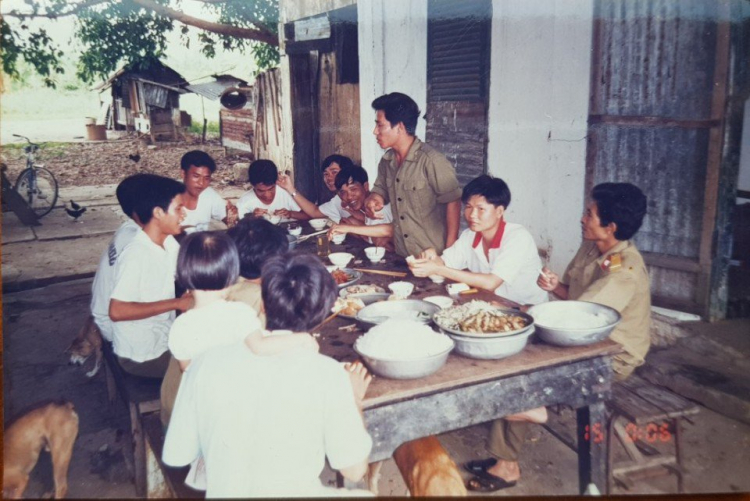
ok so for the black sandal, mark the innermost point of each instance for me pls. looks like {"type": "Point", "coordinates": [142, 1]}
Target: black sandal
{"type": "Point", "coordinates": [487, 482]}
{"type": "Point", "coordinates": [478, 466]}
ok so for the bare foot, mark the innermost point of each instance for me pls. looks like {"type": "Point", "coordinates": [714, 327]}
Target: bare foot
{"type": "Point", "coordinates": [359, 378]}
{"type": "Point", "coordinates": [507, 470]}
{"type": "Point", "coordinates": [538, 415]}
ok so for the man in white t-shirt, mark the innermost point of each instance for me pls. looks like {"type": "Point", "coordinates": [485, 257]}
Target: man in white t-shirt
{"type": "Point", "coordinates": [491, 254]}
{"type": "Point", "coordinates": [266, 424]}
{"type": "Point", "coordinates": [101, 289]}
{"type": "Point", "coordinates": [353, 188]}
{"type": "Point", "coordinates": [332, 209]}
{"type": "Point", "coordinates": [265, 200]}
{"type": "Point", "coordinates": [202, 203]}
{"type": "Point", "coordinates": [142, 304]}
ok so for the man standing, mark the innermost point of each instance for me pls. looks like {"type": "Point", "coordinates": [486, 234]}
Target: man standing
{"type": "Point", "coordinates": [416, 179]}
{"type": "Point", "coordinates": [202, 203]}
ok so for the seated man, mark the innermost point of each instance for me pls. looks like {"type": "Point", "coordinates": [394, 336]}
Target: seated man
{"type": "Point", "coordinates": [101, 289]}
{"type": "Point", "coordinates": [491, 254]}
{"type": "Point", "coordinates": [608, 269]}
{"type": "Point", "coordinates": [264, 200]}
{"type": "Point", "coordinates": [143, 302]}
{"type": "Point", "coordinates": [266, 424]}
{"type": "Point", "coordinates": [202, 203]}
{"type": "Point", "coordinates": [331, 209]}
{"type": "Point", "coordinates": [353, 186]}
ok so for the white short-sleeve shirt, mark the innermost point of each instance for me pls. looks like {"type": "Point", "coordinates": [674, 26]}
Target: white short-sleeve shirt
{"type": "Point", "coordinates": [210, 206]}
{"type": "Point", "coordinates": [101, 289]}
{"type": "Point", "coordinates": [217, 324]}
{"type": "Point", "coordinates": [144, 273]}
{"type": "Point", "coordinates": [265, 424]}
{"type": "Point", "coordinates": [333, 210]}
{"type": "Point", "coordinates": [515, 260]}
{"type": "Point", "coordinates": [281, 200]}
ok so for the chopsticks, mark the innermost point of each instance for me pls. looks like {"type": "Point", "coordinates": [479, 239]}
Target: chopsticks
{"type": "Point", "coordinates": [468, 291]}
{"type": "Point", "coordinates": [305, 237]}
{"type": "Point", "coordinates": [328, 319]}
{"type": "Point", "coordinates": [399, 274]}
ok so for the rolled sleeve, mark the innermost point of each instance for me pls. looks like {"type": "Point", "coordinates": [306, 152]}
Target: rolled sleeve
{"type": "Point", "coordinates": [442, 178]}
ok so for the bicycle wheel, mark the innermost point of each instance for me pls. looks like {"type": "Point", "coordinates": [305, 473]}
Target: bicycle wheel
{"type": "Point", "coordinates": [38, 187]}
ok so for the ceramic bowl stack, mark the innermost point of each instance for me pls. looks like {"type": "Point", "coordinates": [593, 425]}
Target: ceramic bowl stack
{"type": "Point", "coordinates": [573, 323]}
{"type": "Point", "coordinates": [485, 344]}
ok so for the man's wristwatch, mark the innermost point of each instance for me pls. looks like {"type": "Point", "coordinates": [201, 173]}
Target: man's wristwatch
{"type": "Point", "coordinates": [294, 193]}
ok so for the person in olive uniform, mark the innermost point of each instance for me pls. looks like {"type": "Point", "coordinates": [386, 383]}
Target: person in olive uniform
{"type": "Point", "coordinates": [609, 270]}
{"type": "Point", "coordinates": [417, 180]}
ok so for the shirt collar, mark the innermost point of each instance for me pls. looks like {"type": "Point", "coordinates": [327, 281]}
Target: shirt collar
{"type": "Point", "coordinates": [619, 247]}
{"type": "Point", "coordinates": [496, 240]}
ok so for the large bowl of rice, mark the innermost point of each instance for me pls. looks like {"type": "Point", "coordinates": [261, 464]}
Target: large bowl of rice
{"type": "Point", "coordinates": [573, 323]}
{"type": "Point", "coordinates": [403, 349]}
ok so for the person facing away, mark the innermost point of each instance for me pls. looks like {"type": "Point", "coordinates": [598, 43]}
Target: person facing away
{"type": "Point", "coordinates": [202, 203]}
{"type": "Point", "coordinates": [491, 254]}
{"type": "Point", "coordinates": [607, 269]}
{"type": "Point", "coordinates": [416, 179]}
{"type": "Point", "coordinates": [353, 187]}
{"type": "Point", "coordinates": [332, 209]}
{"type": "Point", "coordinates": [101, 288]}
{"type": "Point", "coordinates": [265, 425]}
{"type": "Point", "coordinates": [142, 304]}
{"type": "Point", "coordinates": [265, 200]}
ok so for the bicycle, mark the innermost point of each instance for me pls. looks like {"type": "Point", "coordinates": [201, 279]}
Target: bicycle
{"type": "Point", "coordinates": [36, 184]}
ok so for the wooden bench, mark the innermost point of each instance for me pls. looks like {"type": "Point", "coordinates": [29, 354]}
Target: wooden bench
{"type": "Point", "coordinates": [142, 396]}
{"type": "Point", "coordinates": [641, 414]}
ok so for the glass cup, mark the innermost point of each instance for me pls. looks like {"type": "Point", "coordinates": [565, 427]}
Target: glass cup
{"type": "Point", "coordinates": [323, 246]}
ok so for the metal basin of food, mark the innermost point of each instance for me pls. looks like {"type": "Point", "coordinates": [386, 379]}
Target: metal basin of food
{"type": "Point", "coordinates": [438, 319]}
{"type": "Point", "coordinates": [492, 347]}
{"type": "Point", "coordinates": [404, 309]}
{"type": "Point", "coordinates": [405, 369]}
{"type": "Point", "coordinates": [556, 322]}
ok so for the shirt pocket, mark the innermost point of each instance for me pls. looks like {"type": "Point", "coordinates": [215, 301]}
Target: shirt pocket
{"type": "Point", "coordinates": [420, 195]}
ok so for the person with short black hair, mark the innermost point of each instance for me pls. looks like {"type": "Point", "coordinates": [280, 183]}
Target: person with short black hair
{"type": "Point", "coordinates": [331, 209]}
{"type": "Point", "coordinates": [491, 253]}
{"type": "Point", "coordinates": [353, 187]}
{"type": "Point", "coordinates": [142, 303]}
{"type": "Point", "coordinates": [257, 240]}
{"type": "Point", "coordinates": [264, 200]}
{"type": "Point", "coordinates": [101, 289]}
{"type": "Point", "coordinates": [266, 425]}
{"type": "Point", "coordinates": [607, 269]}
{"type": "Point", "coordinates": [203, 203]}
{"type": "Point", "coordinates": [416, 179]}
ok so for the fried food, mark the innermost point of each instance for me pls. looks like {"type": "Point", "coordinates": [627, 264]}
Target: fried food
{"type": "Point", "coordinates": [348, 307]}
{"type": "Point", "coordinates": [486, 321]}
{"type": "Point", "coordinates": [340, 277]}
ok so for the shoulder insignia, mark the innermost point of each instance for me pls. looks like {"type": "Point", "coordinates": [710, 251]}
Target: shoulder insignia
{"type": "Point", "coordinates": [612, 263]}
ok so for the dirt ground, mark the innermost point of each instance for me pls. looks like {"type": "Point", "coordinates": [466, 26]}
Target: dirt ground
{"type": "Point", "coordinates": [108, 162]}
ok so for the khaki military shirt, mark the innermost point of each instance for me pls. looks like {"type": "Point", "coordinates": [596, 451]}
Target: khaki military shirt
{"type": "Point", "coordinates": [618, 279]}
{"type": "Point", "coordinates": [417, 192]}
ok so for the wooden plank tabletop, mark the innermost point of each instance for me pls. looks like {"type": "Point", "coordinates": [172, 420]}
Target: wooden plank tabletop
{"type": "Point", "coordinates": [458, 371]}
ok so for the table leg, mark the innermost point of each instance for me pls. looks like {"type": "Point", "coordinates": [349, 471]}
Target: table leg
{"type": "Point", "coordinates": [592, 447]}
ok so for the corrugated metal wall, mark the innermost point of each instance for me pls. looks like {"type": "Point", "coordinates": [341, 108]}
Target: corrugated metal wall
{"type": "Point", "coordinates": [651, 120]}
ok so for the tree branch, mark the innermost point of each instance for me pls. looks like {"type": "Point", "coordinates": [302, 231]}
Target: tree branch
{"type": "Point", "coordinates": [75, 9]}
{"type": "Point", "coordinates": [261, 34]}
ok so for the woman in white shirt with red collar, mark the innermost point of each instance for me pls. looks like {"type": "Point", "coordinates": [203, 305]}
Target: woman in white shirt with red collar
{"type": "Point", "coordinates": [491, 254]}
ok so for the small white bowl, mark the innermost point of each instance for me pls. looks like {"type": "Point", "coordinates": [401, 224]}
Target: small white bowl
{"type": "Point", "coordinates": [340, 259]}
{"type": "Point", "coordinates": [438, 279]}
{"type": "Point", "coordinates": [273, 219]}
{"type": "Point", "coordinates": [442, 301]}
{"type": "Point", "coordinates": [339, 238]}
{"type": "Point", "coordinates": [375, 254]}
{"type": "Point", "coordinates": [319, 224]}
{"type": "Point", "coordinates": [454, 289]}
{"type": "Point", "coordinates": [401, 289]}
{"type": "Point", "coordinates": [296, 231]}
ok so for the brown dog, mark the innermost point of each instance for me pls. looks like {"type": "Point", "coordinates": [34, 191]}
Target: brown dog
{"type": "Point", "coordinates": [88, 341]}
{"type": "Point", "coordinates": [427, 469]}
{"type": "Point", "coordinates": [53, 426]}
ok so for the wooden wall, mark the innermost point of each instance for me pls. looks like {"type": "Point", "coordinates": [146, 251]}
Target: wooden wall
{"type": "Point", "coordinates": [237, 127]}
{"type": "Point", "coordinates": [338, 112]}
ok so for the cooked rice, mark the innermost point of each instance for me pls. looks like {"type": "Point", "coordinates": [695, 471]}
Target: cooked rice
{"type": "Point", "coordinates": [402, 340]}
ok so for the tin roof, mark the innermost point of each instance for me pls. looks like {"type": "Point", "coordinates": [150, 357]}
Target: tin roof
{"type": "Point", "coordinates": [214, 90]}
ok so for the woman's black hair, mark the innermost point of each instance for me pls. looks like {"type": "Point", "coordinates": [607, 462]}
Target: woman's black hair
{"type": "Point", "coordinates": [493, 189]}
{"type": "Point", "coordinates": [208, 261]}
{"type": "Point", "coordinates": [257, 240]}
{"type": "Point", "coordinates": [298, 292]}
{"type": "Point", "coordinates": [623, 204]}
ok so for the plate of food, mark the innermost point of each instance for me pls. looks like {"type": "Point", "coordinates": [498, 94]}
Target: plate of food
{"type": "Point", "coordinates": [482, 320]}
{"type": "Point", "coordinates": [345, 276]}
{"type": "Point", "coordinates": [348, 307]}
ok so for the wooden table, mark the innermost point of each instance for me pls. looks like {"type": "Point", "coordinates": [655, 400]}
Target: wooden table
{"type": "Point", "coordinates": [467, 391]}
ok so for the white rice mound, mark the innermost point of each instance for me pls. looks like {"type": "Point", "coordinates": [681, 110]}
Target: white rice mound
{"type": "Point", "coordinates": [571, 320]}
{"type": "Point", "coordinates": [402, 340]}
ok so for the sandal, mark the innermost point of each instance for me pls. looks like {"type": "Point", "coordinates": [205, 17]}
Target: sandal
{"type": "Point", "coordinates": [487, 482]}
{"type": "Point", "coordinates": [478, 466]}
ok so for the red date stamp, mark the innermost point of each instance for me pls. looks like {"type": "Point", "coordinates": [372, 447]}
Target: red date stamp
{"type": "Point", "coordinates": [651, 433]}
